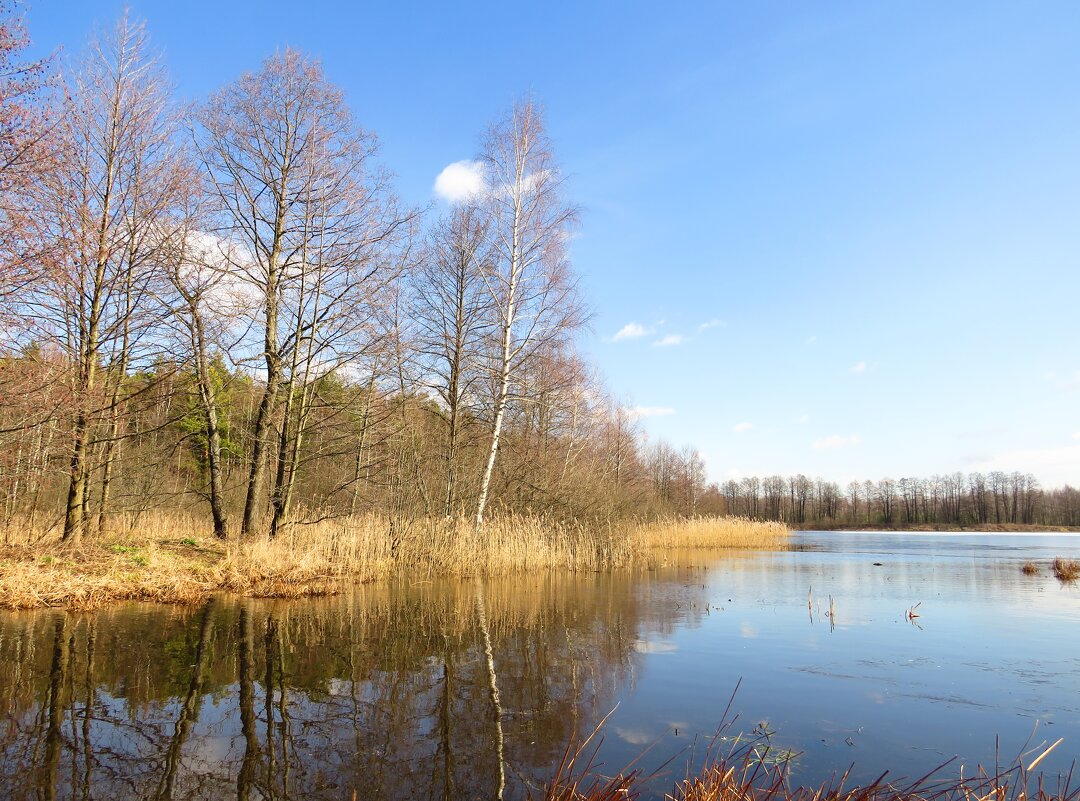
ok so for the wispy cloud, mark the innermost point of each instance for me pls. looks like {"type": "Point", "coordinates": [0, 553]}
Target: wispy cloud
{"type": "Point", "coordinates": [713, 323]}
{"type": "Point", "coordinates": [460, 181]}
{"type": "Point", "coordinates": [811, 340]}
{"type": "Point", "coordinates": [630, 331]}
{"type": "Point", "coordinates": [739, 428]}
{"type": "Point", "coordinates": [638, 412]}
{"type": "Point", "coordinates": [668, 341]}
{"type": "Point", "coordinates": [1076, 435]}
{"type": "Point", "coordinates": [801, 419]}
{"type": "Point", "coordinates": [835, 441]}
{"type": "Point", "coordinates": [859, 368]}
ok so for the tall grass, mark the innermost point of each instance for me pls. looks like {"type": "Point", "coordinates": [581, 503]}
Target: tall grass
{"type": "Point", "coordinates": [158, 556]}
{"type": "Point", "coordinates": [713, 532]}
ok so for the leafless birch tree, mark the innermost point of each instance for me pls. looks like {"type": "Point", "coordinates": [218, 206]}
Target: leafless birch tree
{"type": "Point", "coordinates": [528, 277]}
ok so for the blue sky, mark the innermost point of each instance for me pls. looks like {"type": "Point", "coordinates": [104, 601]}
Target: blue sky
{"type": "Point", "coordinates": [848, 233]}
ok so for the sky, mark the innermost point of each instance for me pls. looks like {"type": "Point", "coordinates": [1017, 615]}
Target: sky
{"type": "Point", "coordinates": [841, 239]}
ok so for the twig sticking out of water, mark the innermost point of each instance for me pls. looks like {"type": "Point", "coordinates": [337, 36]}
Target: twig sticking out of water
{"type": "Point", "coordinates": [911, 613]}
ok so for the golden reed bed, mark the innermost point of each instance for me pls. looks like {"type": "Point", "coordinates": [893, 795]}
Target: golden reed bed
{"type": "Point", "coordinates": [157, 558]}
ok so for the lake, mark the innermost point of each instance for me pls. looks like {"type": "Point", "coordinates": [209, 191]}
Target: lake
{"type": "Point", "coordinates": [385, 692]}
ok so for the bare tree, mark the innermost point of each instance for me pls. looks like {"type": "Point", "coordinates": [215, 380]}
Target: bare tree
{"type": "Point", "coordinates": [529, 278]}
{"type": "Point", "coordinates": [452, 315]}
{"type": "Point", "coordinates": [105, 211]}
{"type": "Point", "coordinates": [26, 152]}
{"type": "Point", "coordinates": [309, 220]}
{"type": "Point", "coordinates": [200, 315]}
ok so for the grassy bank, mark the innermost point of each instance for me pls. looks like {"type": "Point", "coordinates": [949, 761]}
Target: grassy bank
{"type": "Point", "coordinates": [156, 557]}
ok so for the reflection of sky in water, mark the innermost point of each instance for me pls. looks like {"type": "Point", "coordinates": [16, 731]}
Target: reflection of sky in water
{"type": "Point", "coordinates": [386, 687]}
{"type": "Point", "coordinates": [991, 652]}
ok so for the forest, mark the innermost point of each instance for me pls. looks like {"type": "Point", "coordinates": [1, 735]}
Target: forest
{"type": "Point", "coordinates": [223, 310]}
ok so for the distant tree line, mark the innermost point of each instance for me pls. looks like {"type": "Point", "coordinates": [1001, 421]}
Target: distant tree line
{"type": "Point", "coordinates": [997, 498]}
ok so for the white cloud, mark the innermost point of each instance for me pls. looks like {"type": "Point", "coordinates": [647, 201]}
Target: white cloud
{"type": "Point", "coordinates": [668, 341]}
{"type": "Point", "coordinates": [802, 418]}
{"type": "Point", "coordinates": [741, 427]}
{"type": "Point", "coordinates": [460, 181]}
{"type": "Point", "coordinates": [835, 441]}
{"type": "Point", "coordinates": [651, 411]}
{"type": "Point", "coordinates": [630, 331]}
{"type": "Point", "coordinates": [859, 368]}
{"type": "Point", "coordinates": [713, 323]}
{"type": "Point", "coordinates": [1076, 435]}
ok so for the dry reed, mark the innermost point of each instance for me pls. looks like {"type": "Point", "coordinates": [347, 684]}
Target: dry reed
{"type": "Point", "coordinates": [1066, 569]}
{"type": "Point", "coordinates": [1030, 569]}
{"type": "Point", "coordinates": [713, 532]}
{"type": "Point", "coordinates": [156, 557]}
{"type": "Point", "coordinates": [754, 769]}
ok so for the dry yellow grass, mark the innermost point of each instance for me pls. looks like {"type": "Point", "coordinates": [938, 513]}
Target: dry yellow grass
{"type": "Point", "coordinates": [713, 532]}
{"type": "Point", "coordinates": [155, 557]}
{"type": "Point", "coordinates": [1066, 569]}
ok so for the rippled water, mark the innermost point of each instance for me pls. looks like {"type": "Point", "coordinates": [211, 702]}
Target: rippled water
{"type": "Point", "coordinates": [386, 691]}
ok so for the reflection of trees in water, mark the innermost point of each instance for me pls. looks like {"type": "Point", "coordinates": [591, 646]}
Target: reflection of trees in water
{"type": "Point", "coordinates": [387, 691]}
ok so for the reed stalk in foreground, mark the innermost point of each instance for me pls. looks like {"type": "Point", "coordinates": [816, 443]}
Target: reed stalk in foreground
{"type": "Point", "coordinates": [753, 769]}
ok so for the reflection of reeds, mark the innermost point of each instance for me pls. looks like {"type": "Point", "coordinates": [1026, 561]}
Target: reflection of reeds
{"type": "Point", "coordinates": [1066, 569]}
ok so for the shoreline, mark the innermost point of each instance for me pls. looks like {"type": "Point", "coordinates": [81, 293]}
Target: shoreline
{"type": "Point", "coordinates": [944, 528]}
{"type": "Point", "coordinates": [161, 562]}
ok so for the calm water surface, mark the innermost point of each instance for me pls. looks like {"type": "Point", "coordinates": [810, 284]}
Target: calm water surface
{"type": "Point", "coordinates": [385, 692]}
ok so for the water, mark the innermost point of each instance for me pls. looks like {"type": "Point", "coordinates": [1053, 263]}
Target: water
{"type": "Point", "coordinates": [385, 692]}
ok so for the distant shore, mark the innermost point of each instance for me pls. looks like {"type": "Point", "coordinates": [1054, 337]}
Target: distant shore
{"type": "Point", "coordinates": [986, 528]}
